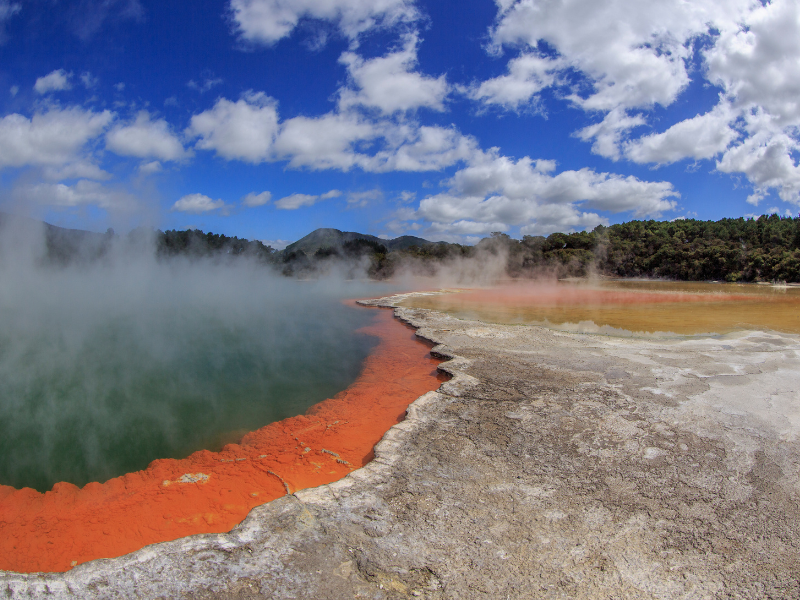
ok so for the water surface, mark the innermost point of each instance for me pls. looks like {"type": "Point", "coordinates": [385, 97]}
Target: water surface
{"type": "Point", "coordinates": [104, 371]}
{"type": "Point", "coordinates": [625, 307]}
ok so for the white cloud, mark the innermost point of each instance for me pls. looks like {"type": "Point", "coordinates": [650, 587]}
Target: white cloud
{"type": "Point", "coordinates": [89, 81]}
{"type": "Point", "coordinates": [528, 75]}
{"type": "Point", "coordinates": [197, 203]}
{"type": "Point", "coordinates": [633, 51]}
{"type": "Point", "coordinates": [149, 168]}
{"type": "Point", "coordinates": [267, 21]}
{"type": "Point", "coordinates": [757, 62]}
{"type": "Point", "coordinates": [83, 193]}
{"type": "Point", "coordinates": [7, 10]}
{"type": "Point", "coordinates": [406, 196]}
{"type": "Point", "coordinates": [636, 54]}
{"type": "Point", "coordinates": [53, 138]}
{"type": "Point", "coordinates": [325, 142]}
{"type": "Point", "coordinates": [250, 130]}
{"type": "Point", "coordinates": [607, 134]}
{"type": "Point", "coordinates": [758, 66]}
{"type": "Point", "coordinates": [466, 227]}
{"type": "Point", "coordinates": [701, 137]}
{"type": "Point", "coordinates": [210, 82]}
{"type": "Point", "coordinates": [52, 82]}
{"type": "Point", "coordinates": [243, 130]}
{"type": "Point", "coordinates": [496, 190]}
{"type": "Point", "coordinates": [411, 147]}
{"type": "Point", "coordinates": [362, 199]}
{"type": "Point", "coordinates": [145, 138]}
{"type": "Point", "coordinates": [400, 227]}
{"type": "Point", "coordinates": [88, 17]}
{"type": "Point", "coordinates": [80, 169]}
{"type": "Point", "coordinates": [344, 141]}
{"type": "Point", "coordinates": [276, 244]}
{"type": "Point", "coordinates": [296, 201]}
{"type": "Point", "coordinates": [389, 83]}
{"type": "Point", "coordinates": [252, 199]}
{"type": "Point", "coordinates": [766, 158]}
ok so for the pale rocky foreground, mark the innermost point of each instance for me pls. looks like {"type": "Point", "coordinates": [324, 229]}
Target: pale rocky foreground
{"type": "Point", "coordinates": [553, 465]}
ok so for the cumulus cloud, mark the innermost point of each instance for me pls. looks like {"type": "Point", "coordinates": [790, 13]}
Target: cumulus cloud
{"type": "Point", "coordinates": [252, 199]}
{"type": "Point", "coordinates": [701, 137]}
{"type": "Point", "coordinates": [197, 203]}
{"type": "Point", "coordinates": [53, 138]}
{"type": "Point", "coordinates": [250, 130]}
{"type": "Point", "coordinates": [296, 201]}
{"type": "Point", "coordinates": [145, 138]}
{"type": "Point", "coordinates": [757, 62]}
{"type": "Point", "coordinates": [267, 21]}
{"type": "Point", "coordinates": [389, 82]}
{"type": "Point", "coordinates": [607, 134]}
{"type": "Point", "coordinates": [758, 66]}
{"type": "Point", "coordinates": [633, 51]}
{"type": "Point", "coordinates": [528, 75]}
{"type": "Point", "coordinates": [495, 192]}
{"type": "Point", "coordinates": [636, 54]}
{"type": "Point", "coordinates": [325, 142]}
{"type": "Point", "coordinates": [411, 147]}
{"type": "Point", "coordinates": [54, 81]}
{"type": "Point", "coordinates": [766, 158]}
{"type": "Point", "coordinates": [82, 193]}
{"type": "Point", "coordinates": [243, 130]}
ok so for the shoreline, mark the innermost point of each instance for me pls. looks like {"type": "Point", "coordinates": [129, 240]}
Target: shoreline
{"type": "Point", "coordinates": [552, 465]}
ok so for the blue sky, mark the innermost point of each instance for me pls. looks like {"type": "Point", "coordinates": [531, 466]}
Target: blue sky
{"type": "Point", "coordinates": [449, 120]}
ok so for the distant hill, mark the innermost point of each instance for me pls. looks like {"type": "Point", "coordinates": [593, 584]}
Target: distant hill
{"type": "Point", "coordinates": [333, 238]}
{"type": "Point", "coordinates": [62, 245]}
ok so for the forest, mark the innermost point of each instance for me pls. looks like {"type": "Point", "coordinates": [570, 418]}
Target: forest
{"type": "Point", "coordinates": [747, 250]}
{"type": "Point", "coordinates": [760, 249]}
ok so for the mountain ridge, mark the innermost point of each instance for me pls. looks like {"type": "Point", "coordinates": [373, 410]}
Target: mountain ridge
{"type": "Point", "coordinates": [327, 237]}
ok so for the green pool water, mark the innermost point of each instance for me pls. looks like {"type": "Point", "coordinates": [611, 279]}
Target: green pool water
{"type": "Point", "coordinates": [100, 375]}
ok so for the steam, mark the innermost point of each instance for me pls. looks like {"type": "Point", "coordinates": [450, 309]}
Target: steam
{"type": "Point", "coordinates": [106, 365]}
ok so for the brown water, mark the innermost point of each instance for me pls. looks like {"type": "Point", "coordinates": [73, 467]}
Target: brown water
{"type": "Point", "coordinates": [625, 307]}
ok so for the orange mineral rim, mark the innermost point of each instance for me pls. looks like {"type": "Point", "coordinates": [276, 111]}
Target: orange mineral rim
{"type": "Point", "coordinates": [211, 492]}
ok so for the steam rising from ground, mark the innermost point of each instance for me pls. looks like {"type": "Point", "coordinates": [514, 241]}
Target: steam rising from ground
{"type": "Point", "coordinates": [105, 366]}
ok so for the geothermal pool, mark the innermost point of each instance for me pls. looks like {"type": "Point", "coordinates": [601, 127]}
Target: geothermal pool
{"type": "Point", "coordinates": [127, 398]}
{"type": "Point", "coordinates": [627, 307]}
{"type": "Point", "coordinates": [95, 387]}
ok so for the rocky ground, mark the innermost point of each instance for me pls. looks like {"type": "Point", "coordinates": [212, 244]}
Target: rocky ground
{"type": "Point", "coordinates": [553, 465]}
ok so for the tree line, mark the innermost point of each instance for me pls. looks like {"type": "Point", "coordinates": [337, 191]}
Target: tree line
{"type": "Point", "coordinates": [762, 249]}
{"type": "Point", "coordinates": [766, 248]}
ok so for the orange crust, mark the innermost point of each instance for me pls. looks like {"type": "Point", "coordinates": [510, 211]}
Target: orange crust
{"type": "Point", "coordinates": [211, 492]}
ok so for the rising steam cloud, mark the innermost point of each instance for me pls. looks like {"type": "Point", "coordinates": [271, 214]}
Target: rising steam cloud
{"type": "Point", "coordinates": [106, 365]}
